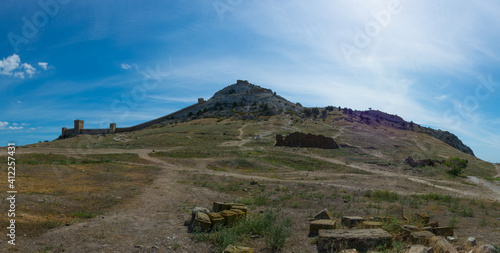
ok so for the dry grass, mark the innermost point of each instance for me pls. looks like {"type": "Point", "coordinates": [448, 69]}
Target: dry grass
{"type": "Point", "coordinates": [55, 189]}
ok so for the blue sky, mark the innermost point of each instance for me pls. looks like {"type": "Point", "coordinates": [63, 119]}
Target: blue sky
{"type": "Point", "coordinates": [436, 63]}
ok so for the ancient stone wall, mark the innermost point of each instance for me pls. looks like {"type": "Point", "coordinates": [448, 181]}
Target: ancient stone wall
{"type": "Point", "coordinates": [113, 129]}
{"type": "Point", "coordinates": [306, 141]}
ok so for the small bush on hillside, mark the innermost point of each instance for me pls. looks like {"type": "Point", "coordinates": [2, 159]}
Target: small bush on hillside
{"type": "Point", "coordinates": [456, 165]}
{"type": "Point", "coordinates": [274, 229]}
{"type": "Point", "coordinates": [382, 195]}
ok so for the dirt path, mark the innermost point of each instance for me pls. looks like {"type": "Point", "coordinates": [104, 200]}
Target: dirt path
{"type": "Point", "coordinates": [151, 222]}
{"type": "Point", "coordinates": [239, 143]}
{"type": "Point", "coordinates": [341, 131]}
{"type": "Point", "coordinates": [143, 153]}
{"type": "Point", "coordinates": [397, 176]}
{"type": "Point", "coordinates": [154, 220]}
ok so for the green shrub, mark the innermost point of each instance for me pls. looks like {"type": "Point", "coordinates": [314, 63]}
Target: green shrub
{"type": "Point", "coordinates": [382, 195]}
{"type": "Point", "coordinates": [277, 234]}
{"type": "Point", "coordinates": [437, 197]}
{"type": "Point", "coordinates": [467, 213]}
{"type": "Point", "coordinates": [456, 165]}
{"type": "Point", "coordinates": [274, 230]}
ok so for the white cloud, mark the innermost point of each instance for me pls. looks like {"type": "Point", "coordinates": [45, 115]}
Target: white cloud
{"type": "Point", "coordinates": [44, 65]}
{"type": "Point", "coordinates": [19, 75]}
{"type": "Point", "coordinates": [125, 66]}
{"type": "Point", "coordinates": [12, 66]}
{"type": "Point", "coordinates": [14, 126]}
{"type": "Point", "coordinates": [28, 69]}
{"type": "Point", "coordinates": [7, 65]}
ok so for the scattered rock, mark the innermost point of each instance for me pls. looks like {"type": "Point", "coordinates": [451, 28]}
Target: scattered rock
{"type": "Point", "coordinates": [230, 217]}
{"type": "Point", "coordinates": [196, 210]}
{"type": "Point", "coordinates": [379, 219]}
{"type": "Point", "coordinates": [352, 221]}
{"type": "Point", "coordinates": [316, 225]}
{"type": "Point", "coordinates": [471, 242]}
{"type": "Point", "coordinates": [241, 214]}
{"type": "Point", "coordinates": [486, 248]}
{"type": "Point", "coordinates": [443, 231]}
{"type": "Point", "coordinates": [423, 218]}
{"type": "Point", "coordinates": [441, 245]}
{"type": "Point", "coordinates": [406, 230]}
{"type": "Point", "coordinates": [359, 239]}
{"type": "Point", "coordinates": [237, 249]}
{"type": "Point", "coordinates": [240, 207]}
{"type": "Point", "coordinates": [202, 222]}
{"type": "Point", "coordinates": [419, 249]}
{"type": "Point", "coordinates": [221, 206]}
{"type": "Point", "coordinates": [323, 215]}
{"type": "Point", "coordinates": [427, 229]}
{"type": "Point", "coordinates": [451, 238]}
{"type": "Point", "coordinates": [254, 182]}
{"type": "Point", "coordinates": [433, 224]}
{"type": "Point", "coordinates": [371, 224]}
{"type": "Point", "coordinates": [216, 219]}
{"type": "Point", "coordinates": [395, 211]}
{"type": "Point", "coordinates": [421, 237]}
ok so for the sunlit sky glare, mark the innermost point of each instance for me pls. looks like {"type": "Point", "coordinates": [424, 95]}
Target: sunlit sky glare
{"type": "Point", "coordinates": [436, 63]}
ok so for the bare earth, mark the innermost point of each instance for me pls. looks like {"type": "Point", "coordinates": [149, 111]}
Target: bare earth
{"type": "Point", "coordinates": [154, 221]}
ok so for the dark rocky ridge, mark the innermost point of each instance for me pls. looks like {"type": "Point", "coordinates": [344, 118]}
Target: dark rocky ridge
{"type": "Point", "coordinates": [378, 117]}
{"type": "Point", "coordinates": [449, 139]}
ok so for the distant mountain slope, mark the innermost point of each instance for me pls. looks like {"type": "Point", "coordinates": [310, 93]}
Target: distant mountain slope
{"type": "Point", "coordinates": [399, 123]}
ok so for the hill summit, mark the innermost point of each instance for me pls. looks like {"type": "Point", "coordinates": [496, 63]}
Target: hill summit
{"type": "Point", "coordinates": [247, 101]}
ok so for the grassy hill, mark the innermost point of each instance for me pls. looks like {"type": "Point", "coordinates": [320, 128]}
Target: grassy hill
{"type": "Point", "coordinates": [159, 173]}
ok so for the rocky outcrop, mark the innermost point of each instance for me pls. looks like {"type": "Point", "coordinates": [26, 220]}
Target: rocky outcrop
{"type": "Point", "coordinates": [449, 139]}
{"type": "Point", "coordinates": [306, 141]}
{"type": "Point", "coordinates": [419, 163]}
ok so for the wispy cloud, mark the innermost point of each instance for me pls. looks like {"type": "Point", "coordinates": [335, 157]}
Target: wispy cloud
{"type": "Point", "coordinates": [174, 99]}
{"type": "Point", "coordinates": [441, 98]}
{"type": "Point", "coordinates": [125, 66]}
{"type": "Point", "coordinates": [44, 65]}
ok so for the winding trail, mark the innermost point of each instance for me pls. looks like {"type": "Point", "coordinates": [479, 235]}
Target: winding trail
{"type": "Point", "coordinates": [438, 184]}
{"type": "Point", "coordinates": [239, 143]}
